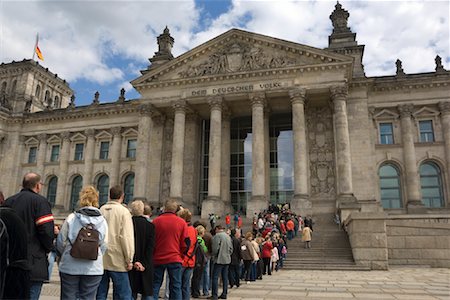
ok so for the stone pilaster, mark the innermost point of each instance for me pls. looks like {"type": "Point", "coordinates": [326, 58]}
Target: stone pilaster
{"type": "Point", "coordinates": [115, 155]}
{"type": "Point", "coordinates": [301, 202]}
{"type": "Point", "coordinates": [155, 159]}
{"type": "Point", "coordinates": [258, 201]}
{"type": "Point", "coordinates": [213, 203]}
{"type": "Point", "coordinates": [177, 167]}
{"type": "Point", "coordinates": [445, 121]}
{"type": "Point", "coordinates": [17, 166]}
{"type": "Point", "coordinates": [62, 176]}
{"type": "Point", "coordinates": [225, 174]}
{"type": "Point", "coordinates": [414, 202]}
{"type": "Point", "coordinates": [89, 156]}
{"type": "Point", "coordinates": [42, 152]}
{"type": "Point", "coordinates": [342, 138]}
{"type": "Point", "coordinates": [142, 149]}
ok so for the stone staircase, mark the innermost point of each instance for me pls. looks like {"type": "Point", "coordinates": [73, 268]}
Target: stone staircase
{"type": "Point", "coordinates": [330, 248]}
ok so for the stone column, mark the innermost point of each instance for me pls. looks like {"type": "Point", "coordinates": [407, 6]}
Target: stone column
{"type": "Point", "coordinates": [258, 201]}
{"type": "Point", "coordinates": [445, 121]}
{"type": "Point", "coordinates": [176, 175]}
{"type": "Point", "coordinates": [226, 152]}
{"type": "Point", "coordinates": [115, 155]}
{"type": "Point", "coordinates": [142, 150]}
{"type": "Point", "coordinates": [213, 203]}
{"type": "Point", "coordinates": [18, 166]}
{"type": "Point", "coordinates": [89, 156]}
{"type": "Point", "coordinates": [62, 176]}
{"type": "Point", "coordinates": [414, 199]}
{"type": "Point", "coordinates": [155, 160]}
{"type": "Point", "coordinates": [342, 140]}
{"type": "Point", "coordinates": [42, 152]}
{"type": "Point", "coordinates": [301, 202]}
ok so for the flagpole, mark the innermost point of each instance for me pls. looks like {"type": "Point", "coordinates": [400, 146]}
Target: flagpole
{"type": "Point", "coordinates": [35, 45]}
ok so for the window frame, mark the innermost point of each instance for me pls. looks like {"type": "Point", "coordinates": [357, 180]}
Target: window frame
{"type": "Point", "coordinates": [81, 157]}
{"type": "Point", "coordinates": [383, 136]}
{"type": "Point", "coordinates": [439, 187]}
{"type": "Point", "coordinates": [131, 150]}
{"type": "Point", "coordinates": [29, 161]}
{"type": "Point", "coordinates": [102, 151]}
{"type": "Point", "coordinates": [55, 157]}
{"type": "Point", "coordinates": [426, 133]}
{"type": "Point", "coordinates": [399, 186]}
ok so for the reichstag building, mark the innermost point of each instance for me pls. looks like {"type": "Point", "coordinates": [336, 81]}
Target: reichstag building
{"type": "Point", "coordinates": [238, 122]}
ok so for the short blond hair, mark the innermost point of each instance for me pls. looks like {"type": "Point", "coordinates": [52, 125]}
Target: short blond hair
{"type": "Point", "coordinates": [200, 230]}
{"type": "Point", "coordinates": [88, 196]}
{"type": "Point", "coordinates": [137, 208]}
{"type": "Point", "coordinates": [185, 214]}
{"type": "Point", "coordinates": [170, 205]}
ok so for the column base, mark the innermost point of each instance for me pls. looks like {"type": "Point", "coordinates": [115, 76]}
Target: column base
{"type": "Point", "coordinates": [301, 205]}
{"type": "Point", "coordinates": [415, 207]}
{"type": "Point", "coordinates": [212, 204]}
{"type": "Point", "coordinates": [256, 204]}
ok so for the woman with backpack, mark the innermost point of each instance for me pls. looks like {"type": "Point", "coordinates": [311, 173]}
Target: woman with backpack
{"type": "Point", "coordinates": [80, 277]}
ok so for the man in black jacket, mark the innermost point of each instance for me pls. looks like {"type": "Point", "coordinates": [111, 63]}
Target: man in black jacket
{"type": "Point", "coordinates": [35, 212]}
{"type": "Point", "coordinates": [234, 272]}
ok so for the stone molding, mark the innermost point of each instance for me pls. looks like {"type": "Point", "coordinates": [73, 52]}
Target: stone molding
{"type": "Point", "coordinates": [116, 131]}
{"type": "Point", "coordinates": [90, 132]}
{"type": "Point", "coordinates": [258, 99]}
{"type": "Point", "coordinates": [216, 103]}
{"type": "Point", "coordinates": [339, 92]}
{"type": "Point", "coordinates": [298, 95]}
{"type": "Point", "coordinates": [405, 110]}
{"type": "Point", "coordinates": [65, 135]}
{"type": "Point", "coordinates": [42, 137]}
{"type": "Point", "coordinates": [180, 106]}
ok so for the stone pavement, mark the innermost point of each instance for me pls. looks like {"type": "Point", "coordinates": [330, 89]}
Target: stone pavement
{"type": "Point", "coordinates": [397, 283]}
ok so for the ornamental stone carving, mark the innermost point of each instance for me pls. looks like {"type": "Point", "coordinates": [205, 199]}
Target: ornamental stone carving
{"type": "Point", "coordinates": [258, 99]}
{"type": "Point", "coordinates": [298, 95]}
{"type": "Point", "coordinates": [64, 135]}
{"type": "Point", "coordinates": [179, 106]}
{"type": "Point", "coordinates": [42, 137]}
{"type": "Point", "coordinates": [146, 110]}
{"type": "Point", "coordinates": [339, 92]}
{"type": "Point", "coordinates": [116, 130]}
{"type": "Point", "coordinates": [236, 57]}
{"type": "Point", "coordinates": [405, 110]}
{"type": "Point", "coordinates": [444, 106]}
{"type": "Point", "coordinates": [319, 122]}
{"type": "Point", "coordinates": [216, 102]}
{"type": "Point", "coordinates": [90, 132]}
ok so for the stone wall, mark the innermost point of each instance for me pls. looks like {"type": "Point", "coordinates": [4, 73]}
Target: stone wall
{"type": "Point", "coordinates": [419, 240]}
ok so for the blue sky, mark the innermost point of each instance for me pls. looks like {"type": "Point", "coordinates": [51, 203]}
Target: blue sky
{"type": "Point", "coordinates": [102, 45]}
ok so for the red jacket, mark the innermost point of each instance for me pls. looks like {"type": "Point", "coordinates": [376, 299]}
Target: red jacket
{"type": "Point", "coordinates": [267, 250]}
{"type": "Point", "coordinates": [290, 225]}
{"type": "Point", "coordinates": [189, 258]}
{"type": "Point", "coordinates": [227, 219]}
{"type": "Point", "coordinates": [283, 228]}
{"type": "Point", "coordinates": [171, 234]}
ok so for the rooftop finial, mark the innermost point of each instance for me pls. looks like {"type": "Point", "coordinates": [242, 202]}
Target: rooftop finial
{"type": "Point", "coordinates": [439, 67]}
{"type": "Point", "coordinates": [399, 67]}
{"type": "Point", "coordinates": [165, 44]}
{"type": "Point", "coordinates": [339, 19]}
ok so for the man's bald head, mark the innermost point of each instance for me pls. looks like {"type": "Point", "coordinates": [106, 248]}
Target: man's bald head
{"type": "Point", "coordinates": [31, 180]}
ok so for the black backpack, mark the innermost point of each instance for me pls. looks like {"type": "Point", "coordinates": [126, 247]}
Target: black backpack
{"type": "Point", "coordinates": [86, 244]}
{"type": "Point", "coordinates": [200, 256]}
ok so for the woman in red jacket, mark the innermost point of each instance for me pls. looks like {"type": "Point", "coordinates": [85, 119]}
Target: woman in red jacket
{"type": "Point", "coordinates": [266, 255]}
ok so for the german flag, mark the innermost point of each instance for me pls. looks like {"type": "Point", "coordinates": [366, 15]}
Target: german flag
{"type": "Point", "coordinates": [39, 53]}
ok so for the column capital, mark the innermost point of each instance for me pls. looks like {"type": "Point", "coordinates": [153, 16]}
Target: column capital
{"type": "Point", "coordinates": [216, 102]}
{"type": "Point", "coordinates": [258, 99]}
{"type": "Point", "coordinates": [444, 107]}
{"type": "Point", "coordinates": [90, 132]}
{"type": "Point", "coordinates": [64, 135]}
{"type": "Point", "coordinates": [180, 106]}
{"type": "Point", "coordinates": [116, 130]}
{"type": "Point", "coordinates": [405, 110]}
{"type": "Point", "coordinates": [159, 120]}
{"type": "Point", "coordinates": [42, 137]}
{"type": "Point", "coordinates": [147, 110]}
{"type": "Point", "coordinates": [298, 95]}
{"type": "Point", "coordinates": [339, 92]}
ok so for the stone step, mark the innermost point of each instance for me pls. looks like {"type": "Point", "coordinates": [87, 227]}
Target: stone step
{"type": "Point", "coordinates": [339, 267]}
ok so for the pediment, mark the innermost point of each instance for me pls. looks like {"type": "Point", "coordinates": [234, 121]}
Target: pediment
{"type": "Point", "coordinates": [54, 139]}
{"type": "Point", "coordinates": [31, 141]}
{"type": "Point", "coordinates": [236, 52]}
{"type": "Point", "coordinates": [78, 137]}
{"type": "Point", "coordinates": [102, 135]}
{"type": "Point", "coordinates": [131, 132]}
{"type": "Point", "coordinates": [385, 114]}
{"type": "Point", "coordinates": [425, 112]}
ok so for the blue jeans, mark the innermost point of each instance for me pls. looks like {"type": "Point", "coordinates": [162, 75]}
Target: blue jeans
{"type": "Point", "coordinates": [223, 271]}
{"type": "Point", "coordinates": [186, 282]}
{"type": "Point", "coordinates": [205, 281]}
{"type": "Point", "coordinates": [82, 287]}
{"type": "Point", "coordinates": [121, 286]}
{"type": "Point", "coordinates": [51, 262]}
{"type": "Point", "coordinates": [35, 290]}
{"type": "Point", "coordinates": [175, 271]}
{"type": "Point", "coordinates": [290, 234]}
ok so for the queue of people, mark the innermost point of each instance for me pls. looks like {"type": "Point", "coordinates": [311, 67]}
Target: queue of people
{"type": "Point", "coordinates": [135, 252]}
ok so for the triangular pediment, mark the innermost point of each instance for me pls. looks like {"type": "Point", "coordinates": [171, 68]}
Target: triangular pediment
{"type": "Point", "coordinates": [103, 135]}
{"type": "Point", "coordinates": [426, 112]}
{"type": "Point", "coordinates": [131, 132]}
{"type": "Point", "coordinates": [78, 137]}
{"type": "Point", "coordinates": [385, 114]}
{"type": "Point", "coordinates": [54, 139]}
{"type": "Point", "coordinates": [236, 52]}
{"type": "Point", "coordinates": [31, 141]}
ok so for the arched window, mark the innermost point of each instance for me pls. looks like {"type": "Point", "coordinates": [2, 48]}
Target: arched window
{"type": "Point", "coordinates": [48, 99]}
{"type": "Point", "coordinates": [390, 188]}
{"type": "Point", "coordinates": [57, 104]}
{"type": "Point", "coordinates": [77, 184]}
{"type": "Point", "coordinates": [13, 87]}
{"type": "Point", "coordinates": [103, 189]}
{"type": "Point", "coordinates": [129, 188]}
{"type": "Point", "coordinates": [51, 190]}
{"type": "Point", "coordinates": [37, 94]}
{"type": "Point", "coordinates": [431, 183]}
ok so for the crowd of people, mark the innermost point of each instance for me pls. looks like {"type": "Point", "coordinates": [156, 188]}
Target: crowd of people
{"type": "Point", "coordinates": [135, 251]}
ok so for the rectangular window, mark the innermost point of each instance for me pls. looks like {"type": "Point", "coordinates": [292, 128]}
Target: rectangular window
{"type": "Point", "coordinates": [79, 149]}
{"type": "Point", "coordinates": [32, 155]}
{"type": "Point", "coordinates": [104, 150]}
{"type": "Point", "coordinates": [55, 153]}
{"type": "Point", "coordinates": [386, 134]}
{"type": "Point", "coordinates": [131, 148]}
{"type": "Point", "coordinates": [426, 131]}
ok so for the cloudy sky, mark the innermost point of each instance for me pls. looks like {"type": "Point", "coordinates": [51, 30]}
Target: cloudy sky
{"type": "Point", "coordinates": [102, 45]}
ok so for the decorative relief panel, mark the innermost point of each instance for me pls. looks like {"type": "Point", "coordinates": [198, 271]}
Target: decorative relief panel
{"type": "Point", "coordinates": [319, 122]}
{"type": "Point", "coordinates": [236, 57]}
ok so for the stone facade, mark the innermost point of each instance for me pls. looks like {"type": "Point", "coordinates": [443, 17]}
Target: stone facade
{"type": "Point", "coordinates": [154, 145]}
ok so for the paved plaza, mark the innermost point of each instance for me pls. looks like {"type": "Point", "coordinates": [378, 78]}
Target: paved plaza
{"type": "Point", "coordinates": [397, 283]}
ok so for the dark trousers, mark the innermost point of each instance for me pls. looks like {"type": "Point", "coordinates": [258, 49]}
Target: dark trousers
{"type": "Point", "coordinates": [221, 270]}
{"type": "Point", "coordinates": [233, 275]}
{"type": "Point", "coordinates": [247, 270]}
{"type": "Point", "coordinates": [195, 283]}
{"type": "Point", "coordinates": [267, 266]}
{"type": "Point", "coordinates": [259, 269]}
